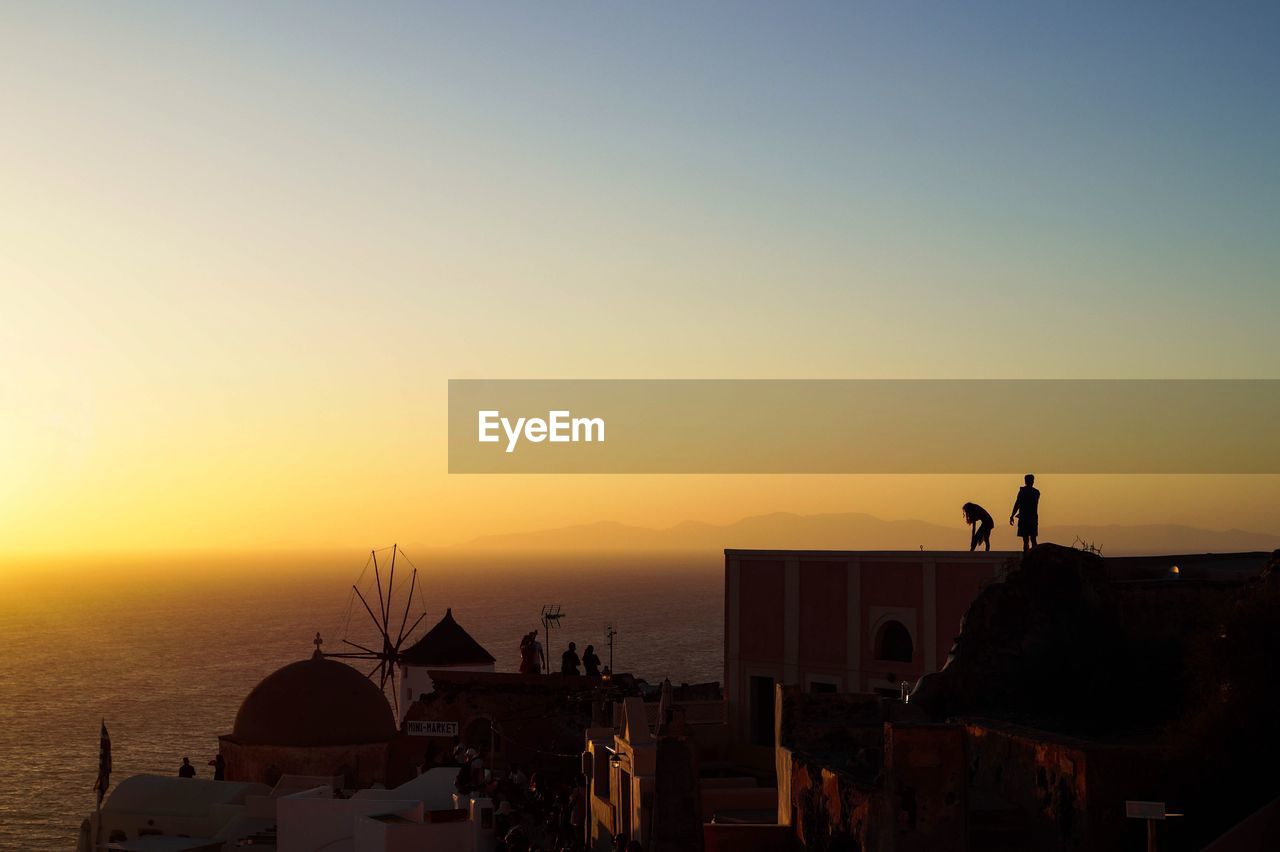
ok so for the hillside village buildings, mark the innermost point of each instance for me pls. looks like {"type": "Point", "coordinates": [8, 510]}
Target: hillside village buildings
{"type": "Point", "coordinates": [832, 730]}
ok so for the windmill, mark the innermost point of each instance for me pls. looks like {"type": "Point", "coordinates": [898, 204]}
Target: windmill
{"type": "Point", "coordinates": [384, 650]}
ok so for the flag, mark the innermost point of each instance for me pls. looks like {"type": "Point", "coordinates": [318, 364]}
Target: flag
{"type": "Point", "coordinates": [104, 764]}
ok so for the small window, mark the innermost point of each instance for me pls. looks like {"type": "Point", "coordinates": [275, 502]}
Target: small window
{"type": "Point", "coordinates": [893, 643]}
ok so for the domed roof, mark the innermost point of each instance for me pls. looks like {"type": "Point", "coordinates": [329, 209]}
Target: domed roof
{"type": "Point", "coordinates": [446, 644]}
{"type": "Point", "coordinates": [315, 702]}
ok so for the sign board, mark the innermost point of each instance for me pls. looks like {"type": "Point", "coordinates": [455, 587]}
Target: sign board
{"type": "Point", "coordinates": [432, 729]}
{"type": "Point", "coordinates": [1144, 810]}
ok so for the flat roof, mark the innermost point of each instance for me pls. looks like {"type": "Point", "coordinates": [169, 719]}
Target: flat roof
{"type": "Point", "coordinates": [1214, 567]}
{"type": "Point", "coordinates": [1233, 556]}
{"type": "Point", "coordinates": [879, 554]}
{"type": "Point", "coordinates": [1221, 567]}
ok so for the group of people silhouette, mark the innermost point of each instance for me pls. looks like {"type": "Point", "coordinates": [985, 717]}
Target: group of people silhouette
{"type": "Point", "coordinates": [533, 658]}
{"type": "Point", "coordinates": [569, 661]}
{"type": "Point", "coordinates": [1026, 509]}
{"type": "Point", "coordinates": [187, 770]}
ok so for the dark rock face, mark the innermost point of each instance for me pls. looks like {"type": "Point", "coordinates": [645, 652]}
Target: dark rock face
{"type": "Point", "coordinates": [1059, 645]}
{"type": "Point", "coordinates": [1170, 681]}
{"type": "Point", "coordinates": [1229, 733]}
{"type": "Point", "coordinates": [1163, 683]}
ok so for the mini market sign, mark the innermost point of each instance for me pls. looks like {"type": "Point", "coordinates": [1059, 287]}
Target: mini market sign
{"type": "Point", "coordinates": [432, 729]}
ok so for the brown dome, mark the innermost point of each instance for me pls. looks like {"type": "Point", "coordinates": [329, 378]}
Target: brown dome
{"type": "Point", "coordinates": [315, 702]}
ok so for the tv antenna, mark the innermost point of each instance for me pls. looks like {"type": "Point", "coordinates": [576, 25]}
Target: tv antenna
{"type": "Point", "coordinates": [384, 650]}
{"type": "Point", "coordinates": [551, 616]}
{"type": "Point", "coordinates": [610, 633]}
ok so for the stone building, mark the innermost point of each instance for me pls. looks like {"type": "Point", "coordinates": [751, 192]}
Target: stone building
{"type": "Point", "coordinates": [313, 717]}
{"type": "Point", "coordinates": [533, 720]}
{"type": "Point", "coordinates": [840, 621]}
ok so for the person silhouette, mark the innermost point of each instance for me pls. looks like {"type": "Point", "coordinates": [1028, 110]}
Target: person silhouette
{"type": "Point", "coordinates": [540, 653]}
{"type": "Point", "coordinates": [980, 519]}
{"type": "Point", "coordinates": [590, 662]}
{"type": "Point", "coordinates": [1026, 508]}
{"type": "Point", "coordinates": [569, 660]}
{"type": "Point", "coordinates": [186, 770]}
{"type": "Point", "coordinates": [530, 660]}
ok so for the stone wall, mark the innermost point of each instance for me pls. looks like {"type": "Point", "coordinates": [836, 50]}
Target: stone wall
{"type": "Point", "coordinates": [359, 765]}
{"type": "Point", "coordinates": [925, 787]}
{"type": "Point", "coordinates": [829, 759]}
{"type": "Point", "coordinates": [1072, 792]}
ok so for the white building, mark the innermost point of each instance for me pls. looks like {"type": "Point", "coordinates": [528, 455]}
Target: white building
{"type": "Point", "coordinates": [445, 646]}
{"type": "Point", "coordinates": [149, 813]}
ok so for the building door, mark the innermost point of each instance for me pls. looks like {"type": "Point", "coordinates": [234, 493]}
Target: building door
{"type": "Point", "coordinates": [761, 710]}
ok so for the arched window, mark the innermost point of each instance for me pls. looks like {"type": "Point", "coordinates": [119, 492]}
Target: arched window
{"type": "Point", "coordinates": [893, 642]}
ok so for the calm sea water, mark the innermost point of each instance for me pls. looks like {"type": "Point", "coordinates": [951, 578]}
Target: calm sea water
{"type": "Point", "coordinates": [166, 656]}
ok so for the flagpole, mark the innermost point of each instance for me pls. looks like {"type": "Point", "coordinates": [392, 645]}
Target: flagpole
{"type": "Point", "coordinates": [97, 797]}
{"type": "Point", "coordinates": [104, 779]}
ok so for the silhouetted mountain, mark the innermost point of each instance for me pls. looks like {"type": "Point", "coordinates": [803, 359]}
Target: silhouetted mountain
{"type": "Point", "coordinates": [858, 531]}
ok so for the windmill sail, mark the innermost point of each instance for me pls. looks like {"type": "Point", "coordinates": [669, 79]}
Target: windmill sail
{"type": "Point", "coordinates": [384, 652]}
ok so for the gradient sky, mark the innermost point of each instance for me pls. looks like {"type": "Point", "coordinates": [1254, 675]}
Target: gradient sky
{"type": "Point", "coordinates": [245, 246]}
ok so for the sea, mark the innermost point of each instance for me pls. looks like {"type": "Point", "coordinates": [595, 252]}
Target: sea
{"type": "Point", "coordinates": [164, 651]}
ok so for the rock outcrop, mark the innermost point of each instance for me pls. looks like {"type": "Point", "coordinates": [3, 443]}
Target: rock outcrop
{"type": "Point", "coordinates": [1059, 645]}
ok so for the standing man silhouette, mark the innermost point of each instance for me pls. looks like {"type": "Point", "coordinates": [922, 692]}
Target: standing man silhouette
{"type": "Point", "coordinates": [1026, 507]}
{"type": "Point", "coordinates": [569, 660]}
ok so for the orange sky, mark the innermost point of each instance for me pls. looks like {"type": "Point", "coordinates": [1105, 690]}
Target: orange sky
{"type": "Point", "coordinates": [241, 263]}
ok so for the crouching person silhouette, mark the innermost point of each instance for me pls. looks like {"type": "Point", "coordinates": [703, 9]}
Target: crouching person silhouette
{"type": "Point", "coordinates": [980, 519]}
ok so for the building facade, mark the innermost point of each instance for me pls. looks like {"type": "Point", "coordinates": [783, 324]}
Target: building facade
{"type": "Point", "coordinates": [840, 621]}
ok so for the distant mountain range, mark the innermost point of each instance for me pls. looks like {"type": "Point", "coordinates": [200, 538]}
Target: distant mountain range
{"type": "Point", "coordinates": [857, 531]}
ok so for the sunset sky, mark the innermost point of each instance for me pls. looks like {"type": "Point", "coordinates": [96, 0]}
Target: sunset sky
{"type": "Point", "coordinates": [246, 246]}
